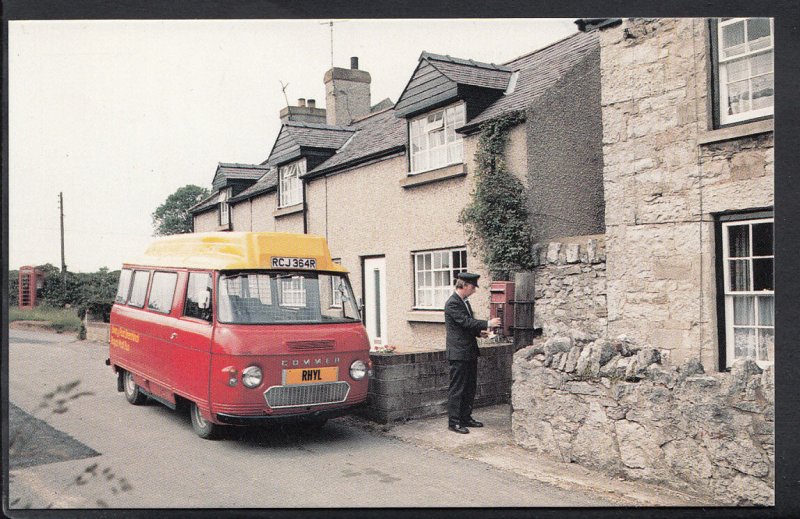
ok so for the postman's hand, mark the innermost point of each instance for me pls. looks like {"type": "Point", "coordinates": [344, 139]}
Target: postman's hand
{"type": "Point", "coordinates": [495, 322]}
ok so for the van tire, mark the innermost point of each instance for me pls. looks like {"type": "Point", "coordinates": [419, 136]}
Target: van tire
{"type": "Point", "coordinates": [132, 392]}
{"type": "Point", "coordinates": [204, 429]}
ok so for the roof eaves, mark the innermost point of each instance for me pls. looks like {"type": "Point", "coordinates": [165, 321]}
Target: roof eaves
{"type": "Point", "coordinates": [322, 170]}
{"type": "Point", "coordinates": [474, 127]}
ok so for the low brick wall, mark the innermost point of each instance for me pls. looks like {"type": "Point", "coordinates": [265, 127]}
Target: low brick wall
{"type": "Point", "coordinates": [613, 406]}
{"type": "Point", "coordinates": [414, 385]}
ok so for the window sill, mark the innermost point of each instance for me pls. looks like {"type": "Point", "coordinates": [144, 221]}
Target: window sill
{"type": "Point", "coordinates": [737, 131]}
{"type": "Point", "coordinates": [434, 175]}
{"type": "Point", "coordinates": [286, 211]}
{"type": "Point", "coordinates": [425, 316]}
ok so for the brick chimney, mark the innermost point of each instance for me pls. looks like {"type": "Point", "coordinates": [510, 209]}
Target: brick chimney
{"type": "Point", "coordinates": [347, 93]}
{"type": "Point", "coordinates": [304, 112]}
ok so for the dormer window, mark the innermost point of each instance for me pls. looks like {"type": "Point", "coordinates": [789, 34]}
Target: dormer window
{"type": "Point", "coordinates": [434, 141]}
{"type": "Point", "coordinates": [290, 187]}
{"type": "Point", "coordinates": [224, 207]}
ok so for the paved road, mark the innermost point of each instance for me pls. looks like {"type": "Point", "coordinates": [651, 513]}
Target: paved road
{"type": "Point", "coordinates": [102, 451]}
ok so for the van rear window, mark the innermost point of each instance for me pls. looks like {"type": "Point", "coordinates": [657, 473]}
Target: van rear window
{"type": "Point", "coordinates": [139, 289]}
{"type": "Point", "coordinates": [124, 286]}
{"type": "Point", "coordinates": [284, 297]}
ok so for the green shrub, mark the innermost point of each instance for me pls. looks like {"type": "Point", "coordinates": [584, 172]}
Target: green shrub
{"type": "Point", "coordinates": [59, 319]}
{"type": "Point", "coordinates": [496, 219]}
{"type": "Point", "coordinates": [93, 291]}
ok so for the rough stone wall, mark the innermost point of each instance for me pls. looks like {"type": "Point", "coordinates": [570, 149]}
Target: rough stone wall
{"type": "Point", "coordinates": [570, 286]}
{"type": "Point", "coordinates": [614, 406]}
{"type": "Point", "coordinates": [663, 179]}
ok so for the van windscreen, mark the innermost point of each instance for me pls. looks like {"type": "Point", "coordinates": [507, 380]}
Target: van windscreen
{"type": "Point", "coordinates": [259, 297]}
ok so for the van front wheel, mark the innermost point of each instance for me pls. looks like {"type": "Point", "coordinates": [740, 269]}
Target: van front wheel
{"type": "Point", "coordinates": [132, 392]}
{"type": "Point", "coordinates": [204, 429]}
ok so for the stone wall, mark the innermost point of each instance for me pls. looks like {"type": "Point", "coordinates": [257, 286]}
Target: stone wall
{"type": "Point", "coordinates": [615, 406]}
{"type": "Point", "coordinates": [570, 286]}
{"type": "Point", "coordinates": [97, 331]}
{"type": "Point", "coordinates": [414, 385]}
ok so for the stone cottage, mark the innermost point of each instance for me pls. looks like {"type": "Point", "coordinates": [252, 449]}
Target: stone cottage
{"type": "Point", "coordinates": [385, 184]}
{"type": "Point", "coordinates": [678, 388]}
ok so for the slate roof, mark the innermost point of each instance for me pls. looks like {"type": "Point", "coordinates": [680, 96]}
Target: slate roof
{"type": "Point", "coordinates": [538, 71]}
{"type": "Point", "coordinates": [232, 171]}
{"type": "Point", "coordinates": [296, 135]}
{"type": "Point", "coordinates": [376, 134]}
{"type": "Point", "coordinates": [209, 202]}
{"type": "Point", "coordinates": [267, 183]}
{"type": "Point", "coordinates": [470, 72]}
{"type": "Point", "coordinates": [382, 133]}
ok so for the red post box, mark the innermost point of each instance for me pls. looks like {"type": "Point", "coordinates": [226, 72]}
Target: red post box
{"type": "Point", "coordinates": [501, 304]}
{"type": "Point", "coordinates": [31, 282]}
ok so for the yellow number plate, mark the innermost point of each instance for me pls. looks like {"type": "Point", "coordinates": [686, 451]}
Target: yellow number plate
{"type": "Point", "coordinates": [310, 375]}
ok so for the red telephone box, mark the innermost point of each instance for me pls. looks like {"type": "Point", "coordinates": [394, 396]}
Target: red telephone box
{"type": "Point", "coordinates": [502, 305]}
{"type": "Point", "coordinates": [31, 282]}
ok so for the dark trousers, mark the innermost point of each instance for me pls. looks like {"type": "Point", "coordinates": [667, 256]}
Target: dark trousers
{"type": "Point", "coordinates": [463, 383]}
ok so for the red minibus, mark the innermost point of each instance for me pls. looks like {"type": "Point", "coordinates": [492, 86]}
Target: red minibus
{"type": "Point", "coordinates": [243, 328]}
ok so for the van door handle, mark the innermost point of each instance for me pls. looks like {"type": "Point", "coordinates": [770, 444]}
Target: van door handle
{"type": "Point", "coordinates": [173, 336]}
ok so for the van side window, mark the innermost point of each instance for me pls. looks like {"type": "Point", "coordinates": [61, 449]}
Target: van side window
{"type": "Point", "coordinates": [139, 288]}
{"type": "Point", "coordinates": [162, 292]}
{"type": "Point", "coordinates": [198, 296]}
{"type": "Point", "coordinates": [124, 286]}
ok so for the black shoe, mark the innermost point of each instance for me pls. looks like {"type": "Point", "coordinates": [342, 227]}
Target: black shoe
{"type": "Point", "coordinates": [458, 428]}
{"type": "Point", "coordinates": [473, 423]}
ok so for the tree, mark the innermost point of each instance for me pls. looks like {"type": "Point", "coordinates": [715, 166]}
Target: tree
{"type": "Point", "coordinates": [173, 217]}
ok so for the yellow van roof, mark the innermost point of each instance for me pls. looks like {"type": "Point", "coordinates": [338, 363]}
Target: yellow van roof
{"type": "Point", "coordinates": [235, 250]}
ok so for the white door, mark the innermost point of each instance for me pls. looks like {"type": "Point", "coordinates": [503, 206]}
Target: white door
{"type": "Point", "coordinates": [375, 301]}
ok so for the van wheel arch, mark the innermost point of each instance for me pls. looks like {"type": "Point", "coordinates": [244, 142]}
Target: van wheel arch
{"type": "Point", "coordinates": [204, 428]}
{"type": "Point", "coordinates": [132, 392]}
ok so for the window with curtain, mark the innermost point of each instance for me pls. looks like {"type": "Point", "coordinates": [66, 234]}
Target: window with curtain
{"type": "Point", "coordinates": [744, 75]}
{"type": "Point", "coordinates": [748, 269]}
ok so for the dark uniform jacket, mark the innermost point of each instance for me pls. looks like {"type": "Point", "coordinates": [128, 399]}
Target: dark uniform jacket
{"type": "Point", "coordinates": [462, 330]}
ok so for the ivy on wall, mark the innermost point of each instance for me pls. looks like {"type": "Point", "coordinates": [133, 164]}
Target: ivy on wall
{"type": "Point", "coordinates": [496, 219]}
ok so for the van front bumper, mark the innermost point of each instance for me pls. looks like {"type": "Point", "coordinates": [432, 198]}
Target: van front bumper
{"type": "Point", "coordinates": [322, 414]}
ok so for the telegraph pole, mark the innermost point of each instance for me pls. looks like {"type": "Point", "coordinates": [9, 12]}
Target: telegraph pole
{"type": "Point", "coordinates": [63, 265]}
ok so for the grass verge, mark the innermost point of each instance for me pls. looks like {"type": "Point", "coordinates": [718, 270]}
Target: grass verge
{"type": "Point", "coordinates": [59, 319]}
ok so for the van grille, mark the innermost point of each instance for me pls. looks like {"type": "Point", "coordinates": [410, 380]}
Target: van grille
{"type": "Point", "coordinates": [311, 345]}
{"type": "Point", "coordinates": [307, 394]}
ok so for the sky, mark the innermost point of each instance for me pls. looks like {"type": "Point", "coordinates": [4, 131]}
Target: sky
{"type": "Point", "coordinates": [118, 114]}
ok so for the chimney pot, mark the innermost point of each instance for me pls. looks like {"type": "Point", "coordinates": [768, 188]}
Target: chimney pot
{"type": "Point", "coordinates": [301, 101]}
{"type": "Point", "coordinates": [354, 63]}
{"type": "Point", "coordinates": [312, 103]}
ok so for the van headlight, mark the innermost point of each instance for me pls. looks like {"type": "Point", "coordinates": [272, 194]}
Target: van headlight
{"type": "Point", "coordinates": [251, 376]}
{"type": "Point", "coordinates": [358, 370]}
